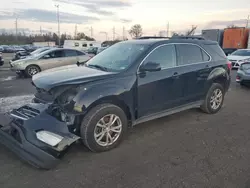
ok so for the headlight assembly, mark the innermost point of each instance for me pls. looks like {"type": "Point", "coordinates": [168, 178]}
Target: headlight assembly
{"type": "Point", "coordinates": [49, 138]}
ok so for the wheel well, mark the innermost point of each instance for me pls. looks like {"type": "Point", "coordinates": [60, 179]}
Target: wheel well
{"type": "Point", "coordinates": [115, 101]}
{"type": "Point", "coordinates": [33, 65]}
{"type": "Point", "coordinates": [221, 80]}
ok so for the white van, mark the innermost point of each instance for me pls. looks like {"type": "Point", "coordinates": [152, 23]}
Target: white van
{"type": "Point", "coordinates": [82, 45]}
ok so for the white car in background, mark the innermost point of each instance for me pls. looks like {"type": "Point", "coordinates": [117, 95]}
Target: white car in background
{"type": "Point", "coordinates": [238, 57]}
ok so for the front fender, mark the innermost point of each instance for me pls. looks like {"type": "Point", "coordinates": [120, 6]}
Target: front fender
{"type": "Point", "coordinates": [122, 89]}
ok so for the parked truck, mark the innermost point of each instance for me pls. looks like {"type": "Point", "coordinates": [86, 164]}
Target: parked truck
{"type": "Point", "coordinates": [214, 35]}
{"type": "Point", "coordinates": [236, 38]}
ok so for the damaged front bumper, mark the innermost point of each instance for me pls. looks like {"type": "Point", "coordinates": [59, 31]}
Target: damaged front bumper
{"type": "Point", "coordinates": [18, 132]}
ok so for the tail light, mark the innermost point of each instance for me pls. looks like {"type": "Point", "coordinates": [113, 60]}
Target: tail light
{"type": "Point", "coordinates": [229, 65]}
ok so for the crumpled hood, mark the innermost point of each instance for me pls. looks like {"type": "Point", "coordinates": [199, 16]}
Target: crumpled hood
{"type": "Point", "coordinates": [236, 57]}
{"type": "Point", "coordinates": [67, 75]}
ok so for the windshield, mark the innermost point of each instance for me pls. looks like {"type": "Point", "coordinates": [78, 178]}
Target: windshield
{"type": "Point", "coordinates": [117, 57]}
{"type": "Point", "coordinates": [242, 53]}
{"type": "Point", "coordinates": [38, 51]}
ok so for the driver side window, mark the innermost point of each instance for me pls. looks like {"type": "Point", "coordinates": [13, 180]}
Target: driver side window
{"type": "Point", "coordinates": [164, 55]}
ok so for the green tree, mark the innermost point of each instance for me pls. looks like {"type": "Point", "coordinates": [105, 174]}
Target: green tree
{"type": "Point", "coordinates": [135, 31]}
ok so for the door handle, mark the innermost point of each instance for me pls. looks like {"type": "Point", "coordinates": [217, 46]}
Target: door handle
{"type": "Point", "coordinates": [207, 66]}
{"type": "Point", "coordinates": [175, 75]}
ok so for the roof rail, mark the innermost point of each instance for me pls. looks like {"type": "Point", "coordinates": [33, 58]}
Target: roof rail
{"type": "Point", "coordinates": [152, 37]}
{"type": "Point", "coordinates": [188, 37]}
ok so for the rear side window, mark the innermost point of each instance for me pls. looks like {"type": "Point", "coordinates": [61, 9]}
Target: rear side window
{"type": "Point", "coordinates": [215, 51]}
{"type": "Point", "coordinates": [80, 53]}
{"type": "Point", "coordinates": [70, 53]}
{"type": "Point", "coordinates": [189, 54]}
{"type": "Point", "coordinates": [56, 54]}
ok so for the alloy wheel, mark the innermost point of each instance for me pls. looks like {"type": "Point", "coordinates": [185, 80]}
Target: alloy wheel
{"type": "Point", "coordinates": [107, 130]}
{"type": "Point", "coordinates": [216, 99]}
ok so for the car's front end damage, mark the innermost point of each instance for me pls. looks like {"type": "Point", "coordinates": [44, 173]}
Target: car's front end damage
{"type": "Point", "coordinates": [35, 135]}
{"type": "Point", "coordinates": [41, 132]}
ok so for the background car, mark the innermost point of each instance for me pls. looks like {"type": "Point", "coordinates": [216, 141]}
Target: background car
{"type": "Point", "coordinates": [1, 49]}
{"type": "Point", "coordinates": [1, 59]}
{"type": "Point", "coordinates": [48, 59]}
{"type": "Point", "coordinates": [24, 54]}
{"type": "Point", "coordinates": [229, 51]}
{"type": "Point", "coordinates": [243, 74]}
{"type": "Point", "coordinates": [238, 57]}
{"type": "Point", "coordinates": [92, 50]}
{"type": "Point", "coordinates": [101, 49]}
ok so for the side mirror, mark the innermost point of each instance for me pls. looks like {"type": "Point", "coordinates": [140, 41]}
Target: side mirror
{"type": "Point", "coordinates": [150, 67]}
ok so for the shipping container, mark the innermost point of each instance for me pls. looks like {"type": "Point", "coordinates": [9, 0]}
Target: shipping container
{"type": "Point", "coordinates": [236, 38]}
{"type": "Point", "coordinates": [214, 35]}
{"type": "Point", "coordinates": [248, 44]}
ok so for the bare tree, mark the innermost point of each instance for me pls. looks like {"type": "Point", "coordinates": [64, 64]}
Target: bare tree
{"type": "Point", "coordinates": [135, 31]}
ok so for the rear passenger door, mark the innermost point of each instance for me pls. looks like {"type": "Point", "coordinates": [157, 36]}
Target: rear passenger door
{"type": "Point", "coordinates": [194, 68]}
{"type": "Point", "coordinates": [70, 57]}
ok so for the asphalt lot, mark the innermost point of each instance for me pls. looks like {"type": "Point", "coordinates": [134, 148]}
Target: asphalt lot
{"type": "Point", "coordinates": [188, 149]}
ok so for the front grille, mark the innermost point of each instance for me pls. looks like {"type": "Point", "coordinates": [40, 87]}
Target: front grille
{"type": "Point", "coordinates": [25, 113]}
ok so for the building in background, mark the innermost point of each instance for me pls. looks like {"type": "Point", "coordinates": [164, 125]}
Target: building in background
{"type": "Point", "coordinates": [44, 44]}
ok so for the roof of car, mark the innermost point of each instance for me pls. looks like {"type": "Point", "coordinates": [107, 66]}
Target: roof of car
{"type": "Point", "coordinates": [160, 41]}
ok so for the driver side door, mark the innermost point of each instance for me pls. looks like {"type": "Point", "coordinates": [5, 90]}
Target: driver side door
{"type": "Point", "coordinates": [159, 90]}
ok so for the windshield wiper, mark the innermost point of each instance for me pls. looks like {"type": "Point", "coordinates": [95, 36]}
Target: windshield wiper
{"type": "Point", "coordinates": [97, 66]}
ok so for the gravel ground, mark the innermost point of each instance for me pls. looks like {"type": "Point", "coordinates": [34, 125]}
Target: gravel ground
{"type": "Point", "coordinates": [188, 149]}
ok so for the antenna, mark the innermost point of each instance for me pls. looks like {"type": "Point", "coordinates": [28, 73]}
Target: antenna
{"type": "Point", "coordinates": [113, 33]}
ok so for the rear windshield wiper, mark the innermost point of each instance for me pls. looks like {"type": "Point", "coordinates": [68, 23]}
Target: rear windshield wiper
{"type": "Point", "coordinates": [97, 66]}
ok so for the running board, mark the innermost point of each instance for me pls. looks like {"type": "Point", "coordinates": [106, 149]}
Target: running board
{"type": "Point", "coordinates": [167, 112]}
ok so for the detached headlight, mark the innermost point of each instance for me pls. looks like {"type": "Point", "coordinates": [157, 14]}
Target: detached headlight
{"type": "Point", "coordinates": [49, 137]}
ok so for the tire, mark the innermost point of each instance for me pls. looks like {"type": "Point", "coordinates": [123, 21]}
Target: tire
{"type": "Point", "coordinates": [89, 129]}
{"type": "Point", "coordinates": [30, 68]}
{"type": "Point", "coordinates": [207, 107]}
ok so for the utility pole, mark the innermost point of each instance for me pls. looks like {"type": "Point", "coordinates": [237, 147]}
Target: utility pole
{"type": "Point", "coordinates": [247, 21]}
{"type": "Point", "coordinates": [168, 29]}
{"type": "Point", "coordinates": [16, 28]}
{"type": "Point", "coordinates": [113, 33]}
{"type": "Point", "coordinates": [123, 33]}
{"type": "Point", "coordinates": [91, 31]}
{"type": "Point", "coordinates": [75, 31]}
{"type": "Point", "coordinates": [41, 31]}
{"type": "Point", "coordinates": [58, 22]}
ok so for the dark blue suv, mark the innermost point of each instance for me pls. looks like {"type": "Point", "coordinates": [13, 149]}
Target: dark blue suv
{"type": "Point", "coordinates": [129, 83]}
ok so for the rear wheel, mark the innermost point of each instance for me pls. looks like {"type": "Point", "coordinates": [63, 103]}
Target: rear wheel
{"type": "Point", "coordinates": [104, 127]}
{"type": "Point", "coordinates": [214, 99]}
{"type": "Point", "coordinates": [31, 70]}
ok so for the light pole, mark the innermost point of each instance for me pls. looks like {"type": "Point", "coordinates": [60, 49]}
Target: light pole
{"type": "Point", "coordinates": [58, 22]}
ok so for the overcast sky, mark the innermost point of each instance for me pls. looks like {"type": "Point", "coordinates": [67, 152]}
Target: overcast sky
{"type": "Point", "coordinates": [102, 15]}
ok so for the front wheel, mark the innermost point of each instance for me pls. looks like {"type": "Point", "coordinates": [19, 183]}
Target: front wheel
{"type": "Point", "coordinates": [214, 99]}
{"type": "Point", "coordinates": [104, 127]}
{"type": "Point", "coordinates": [31, 70]}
